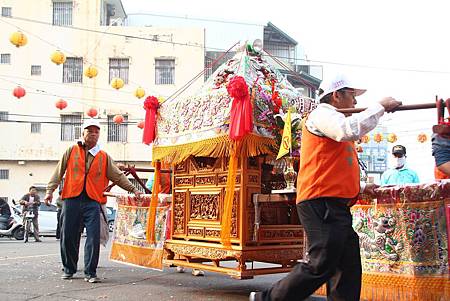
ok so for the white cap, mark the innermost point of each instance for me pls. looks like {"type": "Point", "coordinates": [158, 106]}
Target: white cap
{"type": "Point", "coordinates": [336, 83]}
{"type": "Point", "coordinates": [91, 122]}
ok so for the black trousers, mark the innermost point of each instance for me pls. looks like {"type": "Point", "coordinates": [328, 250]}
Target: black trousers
{"type": "Point", "coordinates": [334, 258]}
{"type": "Point", "coordinates": [76, 211]}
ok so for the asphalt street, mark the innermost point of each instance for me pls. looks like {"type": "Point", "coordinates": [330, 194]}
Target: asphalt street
{"type": "Point", "coordinates": [32, 271]}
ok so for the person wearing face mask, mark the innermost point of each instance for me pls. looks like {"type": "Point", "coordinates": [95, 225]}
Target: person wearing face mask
{"type": "Point", "coordinates": [399, 174]}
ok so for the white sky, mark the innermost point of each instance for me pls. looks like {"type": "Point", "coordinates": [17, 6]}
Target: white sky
{"type": "Point", "coordinates": [390, 35]}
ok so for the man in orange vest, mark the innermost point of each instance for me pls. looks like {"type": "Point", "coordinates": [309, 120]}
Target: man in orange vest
{"type": "Point", "coordinates": [87, 171]}
{"type": "Point", "coordinates": [328, 184]}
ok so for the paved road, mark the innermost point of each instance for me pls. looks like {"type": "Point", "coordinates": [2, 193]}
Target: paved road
{"type": "Point", "coordinates": [32, 272]}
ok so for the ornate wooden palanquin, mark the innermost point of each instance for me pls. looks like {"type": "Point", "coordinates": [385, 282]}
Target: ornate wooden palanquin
{"type": "Point", "coordinates": [198, 195]}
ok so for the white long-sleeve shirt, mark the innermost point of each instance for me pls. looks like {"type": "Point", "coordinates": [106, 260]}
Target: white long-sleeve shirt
{"type": "Point", "coordinates": [325, 121]}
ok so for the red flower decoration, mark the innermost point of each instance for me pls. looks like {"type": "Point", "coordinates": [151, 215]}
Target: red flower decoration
{"type": "Point", "coordinates": [241, 115]}
{"type": "Point", "coordinates": [151, 105]}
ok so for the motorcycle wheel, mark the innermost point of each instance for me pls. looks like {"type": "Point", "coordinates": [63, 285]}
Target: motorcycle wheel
{"type": "Point", "coordinates": [19, 233]}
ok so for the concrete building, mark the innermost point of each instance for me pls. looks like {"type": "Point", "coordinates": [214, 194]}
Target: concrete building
{"type": "Point", "coordinates": [33, 131]}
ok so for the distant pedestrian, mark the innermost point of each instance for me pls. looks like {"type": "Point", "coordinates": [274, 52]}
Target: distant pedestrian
{"type": "Point", "coordinates": [399, 173]}
{"type": "Point", "coordinates": [328, 184]}
{"type": "Point", "coordinates": [87, 171]}
{"type": "Point", "coordinates": [31, 202]}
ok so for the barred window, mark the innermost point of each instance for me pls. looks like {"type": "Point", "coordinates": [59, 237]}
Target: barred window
{"type": "Point", "coordinates": [70, 127]}
{"type": "Point", "coordinates": [36, 70]}
{"type": "Point", "coordinates": [4, 174]}
{"type": "Point", "coordinates": [119, 68]}
{"type": "Point", "coordinates": [5, 58]}
{"type": "Point", "coordinates": [117, 132]}
{"type": "Point", "coordinates": [62, 13]}
{"type": "Point", "coordinates": [73, 70]}
{"type": "Point", "coordinates": [35, 127]}
{"type": "Point", "coordinates": [6, 11]}
{"type": "Point", "coordinates": [164, 71]}
{"type": "Point", "coordinates": [4, 115]}
{"type": "Point", "coordinates": [137, 185]}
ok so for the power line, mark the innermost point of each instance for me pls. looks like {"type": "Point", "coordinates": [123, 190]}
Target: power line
{"type": "Point", "coordinates": [308, 61]}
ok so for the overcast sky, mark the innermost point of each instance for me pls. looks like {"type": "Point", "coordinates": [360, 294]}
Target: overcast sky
{"type": "Point", "coordinates": [395, 48]}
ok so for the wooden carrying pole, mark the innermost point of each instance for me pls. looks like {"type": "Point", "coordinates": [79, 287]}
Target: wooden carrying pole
{"type": "Point", "coordinates": [399, 108]}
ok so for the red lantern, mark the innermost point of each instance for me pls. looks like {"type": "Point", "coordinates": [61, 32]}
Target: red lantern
{"type": "Point", "coordinates": [141, 124]}
{"type": "Point", "coordinates": [118, 119]}
{"type": "Point", "coordinates": [61, 104]}
{"type": "Point", "coordinates": [92, 112]}
{"type": "Point", "coordinates": [422, 138]}
{"type": "Point", "coordinates": [19, 92]}
{"type": "Point", "coordinates": [378, 137]}
{"type": "Point", "coordinates": [359, 148]}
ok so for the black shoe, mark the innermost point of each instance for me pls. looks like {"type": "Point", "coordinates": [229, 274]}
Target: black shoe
{"type": "Point", "coordinates": [66, 276]}
{"type": "Point", "coordinates": [38, 240]}
{"type": "Point", "coordinates": [26, 240]}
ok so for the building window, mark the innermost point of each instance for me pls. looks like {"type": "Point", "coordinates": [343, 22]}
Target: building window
{"type": "Point", "coordinates": [35, 127]}
{"type": "Point", "coordinates": [137, 185]}
{"type": "Point", "coordinates": [62, 13]}
{"type": "Point", "coordinates": [6, 11]}
{"type": "Point", "coordinates": [73, 70]}
{"type": "Point", "coordinates": [4, 116]}
{"type": "Point", "coordinates": [117, 132]}
{"type": "Point", "coordinates": [70, 127]}
{"type": "Point", "coordinates": [35, 69]}
{"type": "Point", "coordinates": [4, 174]}
{"type": "Point", "coordinates": [5, 58]}
{"type": "Point", "coordinates": [164, 71]}
{"type": "Point", "coordinates": [119, 68]}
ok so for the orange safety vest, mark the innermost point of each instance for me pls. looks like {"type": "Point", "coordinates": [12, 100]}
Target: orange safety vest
{"type": "Point", "coordinates": [439, 175]}
{"type": "Point", "coordinates": [96, 180]}
{"type": "Point", "coordinates": [327, 168]}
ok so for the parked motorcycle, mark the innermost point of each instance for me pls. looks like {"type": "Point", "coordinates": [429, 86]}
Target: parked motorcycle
{"type": "Point", "coordinates": [14, 228]}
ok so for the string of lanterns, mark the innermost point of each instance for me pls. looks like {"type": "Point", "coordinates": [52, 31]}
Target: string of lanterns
{"type": "Point", "coordinates": [391, 138]}
{"type": "Point", "coordinates": [19, 39]}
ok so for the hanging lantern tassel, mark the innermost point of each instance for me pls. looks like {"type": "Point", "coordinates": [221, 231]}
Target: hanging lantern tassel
{"type": "Point", "coordinates": [241, 120]}
{"type": "Point", "coordinates": [422, 138]}
{"type": "Point", "coordinates": [118, 119]}
{"type": "Point", "coordinates": [19, 92]}
{"type": "Point", "coordinates": [61, 104]}
{"type": "Point", "coordinates": [151, 105]}
{"type": "Point", "coordinates": [378, 137]}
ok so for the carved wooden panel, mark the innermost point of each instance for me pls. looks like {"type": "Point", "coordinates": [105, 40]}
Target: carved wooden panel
{"type": "Point", "coordinates": [204, 206]}
{"type": "Point", "coordinates": [205, 180]}
{"type": "Point", "coordinates": [201, 251]}
{"type": "Point", "coordinates": [184, 181]}
{"type": "Point", "coordinates": [234, 215]}
{"type": "Point", "coordinates": [252, 163]}
{"type": "Point", "coordinates": [253, 179]}
{"type": "Point", "coordinates": [204, 164]}
{"type": "Point", "coordinates": [181, 167]}
{"type": "Point", "coordinates": [195, 231]}
{"type": "Point", "coordinates": [179, 201]}
{"type": "Point", "coordinates": [222, 179]}
{"type": "Point", "coordinates": [288, 234]}
{"type": "Point", "coordinates": [212, 233]}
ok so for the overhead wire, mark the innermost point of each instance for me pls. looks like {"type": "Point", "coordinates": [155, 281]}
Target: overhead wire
{"type": "Point", "coordinates": [315, 61]}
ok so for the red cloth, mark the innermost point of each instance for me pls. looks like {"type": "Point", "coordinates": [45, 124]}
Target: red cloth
{"type": "Point", "coordinates": [151, 105]}
{"type": "Point", "coordinates": [241, 119]}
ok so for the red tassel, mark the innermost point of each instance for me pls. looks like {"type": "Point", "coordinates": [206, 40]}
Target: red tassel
{"type": "Point", "coordinates": [151, 105]}
{"type": "Point", "coordinates": [241, 119]}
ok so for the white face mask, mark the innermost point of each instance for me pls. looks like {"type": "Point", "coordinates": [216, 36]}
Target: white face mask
{"type": "Point", "coordinates": [399, 162]}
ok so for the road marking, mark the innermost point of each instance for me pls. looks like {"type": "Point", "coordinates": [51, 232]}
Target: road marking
{"type": "Point", "coordinates": [31, 256]}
